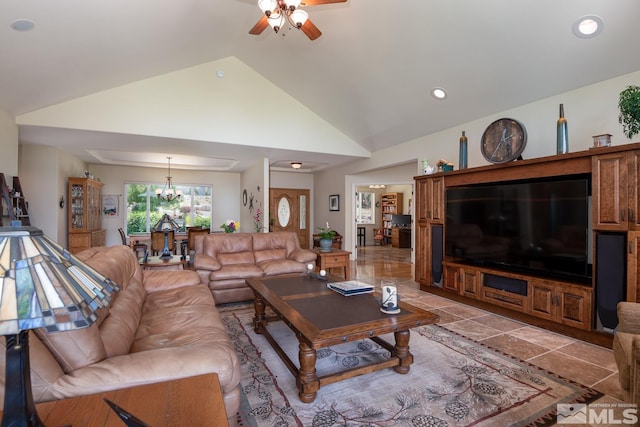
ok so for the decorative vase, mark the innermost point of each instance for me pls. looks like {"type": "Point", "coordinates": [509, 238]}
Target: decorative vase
{"type": "Point", "coordinates": [562, 143]}
{"type": "Point", "coordinates": [325, 245]}
{"type": "Point", "coordinates": [462, 163]}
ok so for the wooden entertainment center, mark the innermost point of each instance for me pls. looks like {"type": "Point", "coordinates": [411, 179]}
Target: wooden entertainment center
{"type": "Point", "coordinates": [561, 305]}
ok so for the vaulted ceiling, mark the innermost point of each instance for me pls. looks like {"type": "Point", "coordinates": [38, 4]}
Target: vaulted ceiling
{"type": "Point", "coordinates": [369, 75]}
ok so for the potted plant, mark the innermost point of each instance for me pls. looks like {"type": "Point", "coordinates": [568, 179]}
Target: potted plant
{"type": "Point", "coordinates": [326, 235]}
{"type": "Point", "coordinates": [230, 226]}
{"type": "Point", "coordinates": [629, 106]}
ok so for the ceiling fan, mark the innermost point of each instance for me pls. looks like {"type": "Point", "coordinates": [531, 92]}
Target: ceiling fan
{"type": "Point", "coordinates": [280, 12]}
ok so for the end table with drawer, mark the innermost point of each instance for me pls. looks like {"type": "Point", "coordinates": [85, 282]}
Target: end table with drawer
{"type": "Point", "coordinates": [337, 258]}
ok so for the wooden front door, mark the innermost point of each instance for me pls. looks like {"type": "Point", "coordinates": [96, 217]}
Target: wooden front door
{"type": "Point", "coordinates": [289, 211]}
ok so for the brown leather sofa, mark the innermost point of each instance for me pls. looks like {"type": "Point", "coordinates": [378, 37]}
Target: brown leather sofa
{"type": "Point", "coordinates": [160, 325]}
{"type": "Point", "coordinates": [224, 260]}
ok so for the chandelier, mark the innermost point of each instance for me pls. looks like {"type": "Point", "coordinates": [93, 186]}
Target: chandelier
{"type": "Point", "coordinates": [280, 12]}
{"type": "Point", "coordinates": [169, 193]}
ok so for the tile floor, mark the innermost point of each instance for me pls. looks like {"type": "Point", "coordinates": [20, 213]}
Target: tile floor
{"type": "Point", "coordinates": [582, 362]}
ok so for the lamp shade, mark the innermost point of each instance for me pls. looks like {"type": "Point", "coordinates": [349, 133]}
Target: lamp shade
{"type": "Point", "coordinates": [43, 286]}
{"type": "Point", "coordinates": [299, 17]}
{"type": "Point", "coordinates": [267, 5]}
{"type": "Point", "coordinates": [166, 223]}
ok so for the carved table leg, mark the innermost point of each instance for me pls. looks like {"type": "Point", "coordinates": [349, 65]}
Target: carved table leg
{"type": "Point", "coordinates": [401, 351]}
{"type": "Point", "coordinates": [260, 320]}
{"type": "Point", "coordinates": [307, 380]}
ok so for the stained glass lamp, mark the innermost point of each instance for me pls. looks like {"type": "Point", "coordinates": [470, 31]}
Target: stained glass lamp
{"type": "Point", "coordinates": [41, 286]}
{"type": "Point", "coordinates": [166, 224]}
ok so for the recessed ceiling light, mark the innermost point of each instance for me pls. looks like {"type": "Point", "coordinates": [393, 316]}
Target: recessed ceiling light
{"type": "Point", "coordinates": [220, 74]}
{"type": "Point", "coordinates": [588, 26]}
{"type": "Point", "coordinates": [22, 25]}
{"type": "Point", "coordinates": [439, 93]}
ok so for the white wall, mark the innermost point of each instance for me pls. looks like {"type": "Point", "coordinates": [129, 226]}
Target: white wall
{"type": "Point", "coordinates": [194, 104]}
{"type": "Point", "coordinates": [590, 110]}
{"type": "Point", "coordinates": [43, 173]}
{"type": "Point", "coordinates": [255, 180]}
{"type": "Point", "coordinates": [225, 197]}
{"type": "Point", "coordinates": [8, 146]}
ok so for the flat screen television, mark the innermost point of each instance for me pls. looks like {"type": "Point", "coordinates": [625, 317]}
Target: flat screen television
{"type": "Point", "coordinates": [401, 220]}
{"type": "Point", "coordinates": [537, 227]}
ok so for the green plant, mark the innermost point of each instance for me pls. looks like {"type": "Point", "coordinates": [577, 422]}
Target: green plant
{"type": "Point", "coordinates": [629, 106]}
{"type": "Point", "coordinates": [326, 233]}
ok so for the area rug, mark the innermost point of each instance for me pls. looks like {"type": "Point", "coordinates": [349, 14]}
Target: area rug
{"type": "Point", "coordinates": [454, 381]}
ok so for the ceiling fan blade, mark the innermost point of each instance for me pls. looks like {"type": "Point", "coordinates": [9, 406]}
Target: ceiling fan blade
{"type": "Point", "coordinates": [260, 26]}
{"type": "Point", "coordinates": [317, 2]}
{"type": "Point", "coordinates": [311, 30]}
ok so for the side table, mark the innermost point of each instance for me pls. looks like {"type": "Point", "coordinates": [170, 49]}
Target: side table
{"type": "Point", "coordinates": [194, 401]}
{"type": "Point", "coordinates": [174, 263]}
{"type": "Point", "coordinates": [336, 258]}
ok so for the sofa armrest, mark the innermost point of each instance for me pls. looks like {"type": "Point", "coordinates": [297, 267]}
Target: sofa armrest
{"type": "Point", "coordinates": [634, 371]}
{"type": "Point", "coordinates": [629, 317]}
{"type": "Point", "coordinates": [205, 262]}
{"type": "Point", "coordinates": [302, 255]}
{"type": "Point", "coordinates": [159, 280]}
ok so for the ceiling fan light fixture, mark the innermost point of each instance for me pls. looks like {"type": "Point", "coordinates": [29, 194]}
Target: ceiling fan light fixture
{"type": "Point", "coordinates": [276, 20]}
{"type": "Point", "coordinates": [293, 4]}
{"type": "Point", "coordinates": [267, 6]}
{"type": "Point", "coordinates": [299, 17]}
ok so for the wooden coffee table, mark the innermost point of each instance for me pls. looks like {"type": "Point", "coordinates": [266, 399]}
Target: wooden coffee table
{"type": "Point", "coordinates": [302, 302]}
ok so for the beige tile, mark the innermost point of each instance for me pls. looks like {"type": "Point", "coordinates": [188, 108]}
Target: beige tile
{"type": "Point", "coordinates": [498, 322]}
{"type": "Point", "coordinates": [514, 346]}
{"type": "Point", "coordinates": [571, 368]}
{"type": "Point", "coordinates": [611, 387]}
{"type": "Point", "coordinates": [445, 317]}
{"type": "Point", "coordinates": [470, 329]}
{"type": "Point", "coordinates": [542, 337]}
{"type": "Point", "coordinates": [465, 311]}
{"type": "Point", "coordinates": [597, 355]}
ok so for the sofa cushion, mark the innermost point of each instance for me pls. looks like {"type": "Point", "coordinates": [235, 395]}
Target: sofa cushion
{"type": "Point", "coordinates": [270, 254]}
{"type": "Point", "coordinates": [177, 297]}
{"type": "Point", "coordinates": [237, 271]}
{"type": "Point", "coordinates": [119, 326]}
{"type": "Point", "coordinates": [278, 240]}
{"type": "Point", "coordinates": [74, 349]}
{"type": "Point", "coordinates": [281, 266]}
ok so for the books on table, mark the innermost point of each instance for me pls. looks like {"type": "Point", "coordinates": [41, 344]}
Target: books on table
{"type": "Point", "coordinates": [350, 287]}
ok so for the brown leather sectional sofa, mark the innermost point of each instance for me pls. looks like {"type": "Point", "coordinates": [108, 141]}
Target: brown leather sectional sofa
{"type": "Point", "coordinates": [161, 325]}
{"type": "Point", "coordinates": [224, 260]}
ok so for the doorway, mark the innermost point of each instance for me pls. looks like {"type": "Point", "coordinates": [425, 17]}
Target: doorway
{"type": "Point", "coordinates": [289, 211]}
{"type": "Point", "coordinates": [398, 221]}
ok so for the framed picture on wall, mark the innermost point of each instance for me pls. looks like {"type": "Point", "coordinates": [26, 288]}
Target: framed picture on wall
{"type": "Point", "coordinates": [109, 205]}
{"type": "Point", "coordinates": [334, 202]}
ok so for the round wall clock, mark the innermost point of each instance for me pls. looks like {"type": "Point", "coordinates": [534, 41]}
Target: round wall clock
{"type": "Point", "coordinates": [503, 140]}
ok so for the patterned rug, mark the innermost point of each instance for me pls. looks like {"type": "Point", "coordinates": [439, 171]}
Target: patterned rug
{"type": "Point", "coordinates": [454, 381]}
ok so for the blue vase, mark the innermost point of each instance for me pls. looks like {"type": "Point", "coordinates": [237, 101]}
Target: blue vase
{"type": "Point", "coordinates": [325, 245]}
{"type": "Point", "coordinates": [562, 143]}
